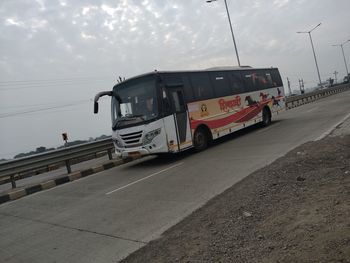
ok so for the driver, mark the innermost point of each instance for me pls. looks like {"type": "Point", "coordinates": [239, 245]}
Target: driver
{"type": "Point", "coordinates": [149, 106]}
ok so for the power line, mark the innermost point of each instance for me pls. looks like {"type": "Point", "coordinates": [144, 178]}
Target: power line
{"type": "Point", "coordinates": [48, 80]}
{"type": "Point", "coordinates": [45, 85]}
{"type": "Point", "coordinates": [27, 111]}
{"type": "Point", "coordinates": [11, 114]}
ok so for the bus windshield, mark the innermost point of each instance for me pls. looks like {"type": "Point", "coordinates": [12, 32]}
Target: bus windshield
{"type": "Point", "coordinates": [134, 102]}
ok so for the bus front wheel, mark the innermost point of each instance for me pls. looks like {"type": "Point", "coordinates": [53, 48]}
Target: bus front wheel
{"type": "Point", "coordinates": [200, 139]}
{"type": "Point", "coordinates": [266, 117]}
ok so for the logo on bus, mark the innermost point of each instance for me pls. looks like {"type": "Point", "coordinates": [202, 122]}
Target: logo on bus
{"type": "Point", "coordinates": [204, 110]}
{"type": "Point", "coordinates": [227, 105]}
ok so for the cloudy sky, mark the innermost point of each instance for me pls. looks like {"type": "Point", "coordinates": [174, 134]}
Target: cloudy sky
{"type": "Point", "coordinates": [55, 55]}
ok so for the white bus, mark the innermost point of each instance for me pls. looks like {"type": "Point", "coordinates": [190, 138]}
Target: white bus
{"type": "Point", "coordinates": [169, 112]}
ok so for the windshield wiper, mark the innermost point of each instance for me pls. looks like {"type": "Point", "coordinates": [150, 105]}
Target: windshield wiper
{"type": "Point", "coordinates": [138, 116]}
{"type": "Point", "coordinates": [127, 118]}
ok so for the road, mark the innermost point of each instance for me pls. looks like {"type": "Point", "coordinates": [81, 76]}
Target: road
{"type": "Point", "coordinates": [106, 216]}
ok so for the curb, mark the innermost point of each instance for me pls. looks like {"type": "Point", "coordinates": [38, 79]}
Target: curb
{"type": "Point", "coordinates": [22, 192]}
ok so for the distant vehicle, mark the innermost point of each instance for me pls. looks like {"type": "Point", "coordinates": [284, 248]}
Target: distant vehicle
{"type": "Point", "coordinates": [169, 112]}
{"type": "Point", "coordinates": [346, 79]}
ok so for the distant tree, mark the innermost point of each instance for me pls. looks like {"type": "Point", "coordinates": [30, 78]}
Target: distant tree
{"type": "Point", "coordinates": [101, 137]}
{"type": "Point", "coordinates": [40, 149]}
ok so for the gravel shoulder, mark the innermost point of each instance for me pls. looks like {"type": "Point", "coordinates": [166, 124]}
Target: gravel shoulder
{"type": "Point", "coordinates": [296, 209]}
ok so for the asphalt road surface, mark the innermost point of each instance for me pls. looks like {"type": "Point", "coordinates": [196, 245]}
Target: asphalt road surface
{"type": "Point", "coordinates": [106, 216]}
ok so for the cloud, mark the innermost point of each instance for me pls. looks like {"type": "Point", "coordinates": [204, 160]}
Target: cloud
{"type": "Point", "coordinates": [280, 3]}
{"type": "Point", "coordinates": [87, 36]}
{"type": "Point", "coordinates": [12, 21]}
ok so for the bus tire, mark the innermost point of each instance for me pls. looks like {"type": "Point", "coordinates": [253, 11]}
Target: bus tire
{"type": "Point", "coordinates": [266, 117]}
{"type": "Point", "coordinates": [200, 139]}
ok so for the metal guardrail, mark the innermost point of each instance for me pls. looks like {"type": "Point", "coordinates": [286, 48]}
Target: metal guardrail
{"type": "Point", "coordinates": [13, 167]}
{"type": "Point", "coordinates": [298, 100]}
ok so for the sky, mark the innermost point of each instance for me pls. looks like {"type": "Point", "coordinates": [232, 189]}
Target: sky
{"type": "Point", "coordinates": [55, 55]}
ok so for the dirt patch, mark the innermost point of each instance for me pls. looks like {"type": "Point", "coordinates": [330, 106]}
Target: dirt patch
{"type": "Point", "coordinates": [295, 210]}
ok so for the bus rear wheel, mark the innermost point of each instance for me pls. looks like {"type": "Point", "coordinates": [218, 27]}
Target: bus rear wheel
{"type": "Point", "coordinates": [266, 117]}
{"type": "Point", "coordinates": [200, 140]}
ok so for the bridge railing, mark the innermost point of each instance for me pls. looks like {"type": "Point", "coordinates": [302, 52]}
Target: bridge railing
{"type": "Point", "coordinates": [295, 101]}
{"type": "Point", "coordinates": [13, 167]}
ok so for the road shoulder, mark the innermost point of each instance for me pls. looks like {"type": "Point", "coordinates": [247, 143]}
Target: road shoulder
{"type": "Point", "coordinates": [294, 210]}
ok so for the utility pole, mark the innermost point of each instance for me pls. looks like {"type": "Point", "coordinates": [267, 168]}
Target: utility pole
{"type": "Point", "coordinates": [302, 85]}
{"type": "Point", "coordinates": [233, 36]}
{"type": "Point", "coordinates": [290, 91]}
{"type": "Point", "coordinates": [313, 50]}
{"type": "Point", "coordinates": [335, 76]}
{"type": "Point", "coordinates": [342, 49]}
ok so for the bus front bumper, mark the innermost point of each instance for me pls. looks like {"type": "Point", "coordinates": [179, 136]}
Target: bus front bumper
{"type": "Point", "coordinates": [133, 153]}
{"type": "Point", "coordinates": [139, 151]}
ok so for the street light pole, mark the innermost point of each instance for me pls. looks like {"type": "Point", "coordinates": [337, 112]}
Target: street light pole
{"type": "Point", "coordinates": [313, 50]}
{"type": "Point", "coordinates": [342, 49]}
{"type": "Point", "coordinates": [233, 36]}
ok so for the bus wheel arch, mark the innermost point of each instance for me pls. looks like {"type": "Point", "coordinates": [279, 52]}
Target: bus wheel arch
{"type": "Point", "coordinates": [202, 136]}
{"type": "Point", "coordinates": [266, 116]}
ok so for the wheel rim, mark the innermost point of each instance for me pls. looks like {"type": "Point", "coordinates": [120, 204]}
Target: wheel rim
{"type": "Point", "coordinates": [266, 117]}
{"type": "Point", "coordinates": [199, 139]}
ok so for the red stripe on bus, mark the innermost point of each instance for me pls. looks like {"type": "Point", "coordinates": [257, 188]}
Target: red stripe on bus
{"type": "Point", "coordinates": [241, 116]}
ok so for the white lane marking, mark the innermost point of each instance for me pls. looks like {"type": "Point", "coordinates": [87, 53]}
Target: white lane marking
{"type": "Point", "coordinates": [332, 128]}
{"type": "Point", "coordinates": [142, 179]}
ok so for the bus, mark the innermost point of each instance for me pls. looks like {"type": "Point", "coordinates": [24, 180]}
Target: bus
{"type": "Point", "coordinates": [172, 111]}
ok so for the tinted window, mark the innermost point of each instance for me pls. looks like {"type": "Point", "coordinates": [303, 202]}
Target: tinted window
{"type": "Point", "coordinates": [276, 78]}
{"type": "Point", "coordinates": [201, 85]}
{"type": "Point", "coordinates": [249, 81]}
{"type": "Point", "coordinates": [236, 82]}
{"type": "Point", "coordinates": [258, 80]}
{"type": "Point", "coordinates": [220, 83]}
{"type": "Point", "coordinates": [179, 80]}
{"type": "Point", "coordinates": [188, 92]}
{"type": "Point", "coordinates": [262, 80]}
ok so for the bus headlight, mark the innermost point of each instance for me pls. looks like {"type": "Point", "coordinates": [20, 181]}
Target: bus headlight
{"type": "Point", "coordinates": [117, 143]}
{"type": "Point", "coordinates": [150, 136]}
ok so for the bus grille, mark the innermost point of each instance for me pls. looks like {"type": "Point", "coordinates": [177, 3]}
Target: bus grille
{"type": "Point", "coordinates": [131, 138]}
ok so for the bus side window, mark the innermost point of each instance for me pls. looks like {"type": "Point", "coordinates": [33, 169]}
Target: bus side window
{"type": "Point", "coordinates": [188, 92]}
{"type": "Point", "coordinates": [276, 78]}
{"type": "Point", "coordinates": [269, 79]}
{"type": "Point", "coordinates": [261, 80]}
{"type": "Point", "coordinates": [236, 83]}
{"type": "Point", "coordinates": [201, 86]}
{"type": "Point", "coordinates": [249, 78]}
{"type": "Point", "coordinates": [220, 83]}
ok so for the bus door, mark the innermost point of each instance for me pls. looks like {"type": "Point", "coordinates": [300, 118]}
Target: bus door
{"type": "Point", "coordinates": [182, 124]}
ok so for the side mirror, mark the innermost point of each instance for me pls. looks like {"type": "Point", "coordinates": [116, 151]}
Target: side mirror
{"type": "Point", "coordinates": [95, 107]}
{"type": "Point", "coordinates": [98, 95]}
